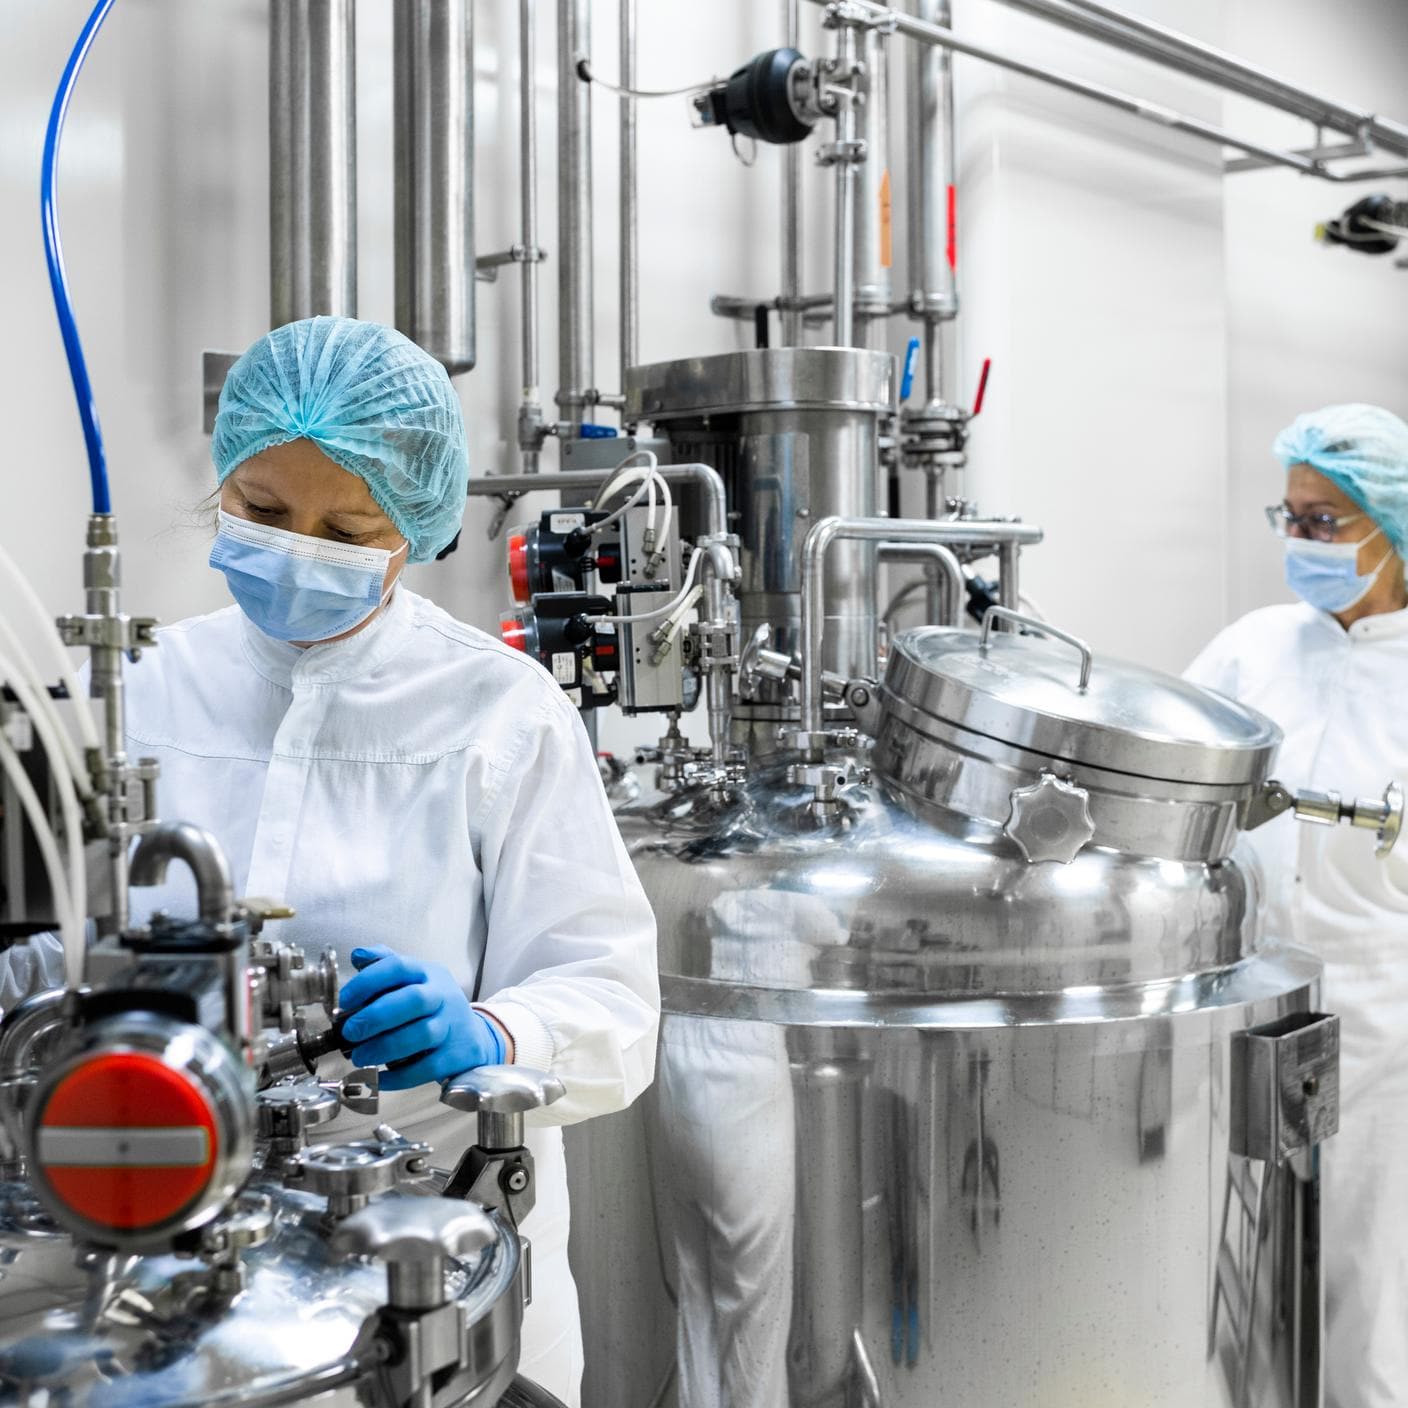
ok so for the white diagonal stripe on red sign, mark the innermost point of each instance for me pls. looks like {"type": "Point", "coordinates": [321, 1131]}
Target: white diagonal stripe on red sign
{"type": "Point", "coordinates": [98, 1146]}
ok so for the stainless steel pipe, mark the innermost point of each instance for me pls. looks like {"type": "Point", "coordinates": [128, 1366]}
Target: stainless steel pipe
{"type": "Point", "coordinates": [872, 193]}
{"type": "Point", "coordinates": [1177, 51]}
{"type": "Point", "coordinates": [955, 533]}
{"type": "Point", "coordinates": [630, 225]}
{"type": "Point", "coordinates": [1141, 108]}
{"type": "Point", "coordinates": [531, 410]}
{"type": "Point", "coordinates": [312, 160]}
{"type": "Point", "coordinates": [433, 61]}
{"type": "Point", "coordinates": [791, 204]}
{"type": "Point", "coordinates": [575, 319]}
{"type": "Point", "coordinates": [931, 197]}
{"type": "Point", "coordinates": [943, 578]}
{"type": "Point", "coordinates": [845, 161]}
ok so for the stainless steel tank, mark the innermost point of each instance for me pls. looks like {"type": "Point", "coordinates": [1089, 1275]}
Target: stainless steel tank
{"type": "Point", "coordinates": [279, 1314]}
{"type": "Point", "coordinates": [956, 1102]}
{"type": "Point", "coordinates": [795, 433]}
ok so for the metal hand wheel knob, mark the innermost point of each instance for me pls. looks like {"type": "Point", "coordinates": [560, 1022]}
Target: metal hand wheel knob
{"type": "Point", "coordinates": [415, 1237]}
{"type": "Point", "coordinates": [501, 1096]}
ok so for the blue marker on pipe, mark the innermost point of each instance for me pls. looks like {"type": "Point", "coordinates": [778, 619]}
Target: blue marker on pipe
{"type": "Point", "coordinates": [911, 360]}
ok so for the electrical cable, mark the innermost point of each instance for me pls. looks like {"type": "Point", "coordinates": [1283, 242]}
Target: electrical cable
{"type": "Point", "coordinates": [584, 72]}
{"type": "Point", "coordinates": [54, 257]}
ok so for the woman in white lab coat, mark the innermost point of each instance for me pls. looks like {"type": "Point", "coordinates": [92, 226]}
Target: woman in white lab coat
{"type": "Point", "coordinates": [1333, 672]}
{"type": "Point", "coordinates": [424, 797]}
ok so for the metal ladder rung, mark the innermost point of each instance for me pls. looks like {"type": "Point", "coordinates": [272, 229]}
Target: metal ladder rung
{"type": "Point", "coordinates": [1229, 1280]}
{"type": "Point", "coordinates": [1244, 1184]}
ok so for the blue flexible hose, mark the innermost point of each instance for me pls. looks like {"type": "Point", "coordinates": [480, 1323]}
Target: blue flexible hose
{"type": "Point", "coordinates": [54, 256]}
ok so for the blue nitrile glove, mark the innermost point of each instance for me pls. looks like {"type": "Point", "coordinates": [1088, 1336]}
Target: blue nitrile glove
{"type": "Point", "coordinates": [407, 1010]}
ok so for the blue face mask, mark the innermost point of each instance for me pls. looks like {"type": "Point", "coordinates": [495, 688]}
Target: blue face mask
{"type": "Point", "coordinates": [1326, 575]}
{"type": "Point", "coordinates": [298, 588]}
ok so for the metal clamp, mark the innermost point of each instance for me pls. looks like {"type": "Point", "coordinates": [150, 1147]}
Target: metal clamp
{"type": "Point", "coordinates": [350, 1175]}
{"type": "Point", "coordinates": [1383, 816]}
{"type": "Point", "coordinates": [497, 1170]}
{"type": "Point", "coordinates": [1003, 613]}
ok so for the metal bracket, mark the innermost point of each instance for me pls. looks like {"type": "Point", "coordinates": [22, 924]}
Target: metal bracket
{"type": "Point", "coordinates": [1285, 1086]}
{"type": "Point", "coordinates": [1383, 816]}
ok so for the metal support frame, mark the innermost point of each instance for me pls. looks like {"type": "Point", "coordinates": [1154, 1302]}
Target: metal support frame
{"type": "Point", "coordinates": [945, 587]}
{"type": "Point", "coordinates": [791, 206]}
{"type": "Point", "coordinates": [629, 211]}
{"type": "Point", "coordinates": [531, 426]}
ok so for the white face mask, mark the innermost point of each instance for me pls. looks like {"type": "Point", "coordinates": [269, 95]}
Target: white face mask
{"type": "Point", "coordinates": [1326, 575]}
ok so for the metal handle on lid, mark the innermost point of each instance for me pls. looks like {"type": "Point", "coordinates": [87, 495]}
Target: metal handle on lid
{"type": "Point", "coordinates": [994, 613]}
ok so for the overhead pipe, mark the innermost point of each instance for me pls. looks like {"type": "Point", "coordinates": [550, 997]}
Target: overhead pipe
{"type": "Point", "coordinates": [433, 67]}
{"type": "Point", "coordinates": [1173, 50]}
{"type": "Point", "coordinates": [312, 160]}
{"type": "Point", "coordinates": [1142, 108]}
{"type": "Point", "coordinates": [575, 319]}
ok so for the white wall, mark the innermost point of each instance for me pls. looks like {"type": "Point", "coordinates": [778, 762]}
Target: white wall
{"type": "Point", "coordinates": [1308, 324]}
{"type": "Point", "coordinates": [1095, 271]}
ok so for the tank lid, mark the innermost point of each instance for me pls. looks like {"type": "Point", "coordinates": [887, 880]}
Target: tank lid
{"type": "Point", "coordinates": [1024, 691]}
{"type": "Point", "coordinates": [768, 379]}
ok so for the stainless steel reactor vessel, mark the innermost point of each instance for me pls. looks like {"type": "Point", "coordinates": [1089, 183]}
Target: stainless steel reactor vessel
{"type": "Point", "coordinates": [982, 1089]}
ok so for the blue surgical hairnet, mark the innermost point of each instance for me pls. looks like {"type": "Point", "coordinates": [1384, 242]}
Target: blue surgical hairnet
{"type": "Point", "coordinates": [1364, 451]}
{"type": "Point", "coordinates": [372, 402]}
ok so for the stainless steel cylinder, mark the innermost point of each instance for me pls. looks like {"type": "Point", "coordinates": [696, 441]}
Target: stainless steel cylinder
{"type": "Point", "coordinates": [629, 218]}
{"type": "Point", "coordinates": [931, 194]}
{"type": "Point", "coordinates": [312, 160]}
{"type": "Point", "coordinates": [874, 244]}
{"type": "Point", "coordinates": [794, 431]}
{"type": "Point", "coordinates": [433, 60]}
{"type": "Point", "coordinates": [575, 321]}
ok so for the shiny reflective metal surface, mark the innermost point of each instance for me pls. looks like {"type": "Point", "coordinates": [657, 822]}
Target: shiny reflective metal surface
{"type": "Point", "coordinates": [934, 1124]}
{"type": "Point", "coordinates": [794, 431]}
{"type": "Point", "coordinates": [312, 160]}
{"type": "Point", "coordinates": [434, 101]}
{"type": "Point", "coordinates": [89, 1329]}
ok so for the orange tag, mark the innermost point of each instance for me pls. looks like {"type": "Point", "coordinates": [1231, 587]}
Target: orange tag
{"type": "Point", "coordinates": [886, 243]}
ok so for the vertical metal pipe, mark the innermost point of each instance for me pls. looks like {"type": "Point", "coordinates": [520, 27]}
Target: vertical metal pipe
{"type": "Point", "coordinates": [574, 210]}
{"type": "Point", "coordinates": [312, 160]}
{"type": "Point", "coordinates": [873, 244]}
{"type": "Point", "coordinates": [433, 61]}
{"type": "Point", "coordinates": [791, 203]}
{"type": "Point", "coordinates": [933, 279]}
{"type": "Point", "coordinates": [531, 413]}
{"type": "Point", "coordinates": [1009, 586]}
{"type": "Point", "coordinates": [630, 246]}
{"type": "Point", "coordinates": [843, 277]}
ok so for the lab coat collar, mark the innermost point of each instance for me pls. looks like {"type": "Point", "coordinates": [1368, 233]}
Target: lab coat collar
{"type": "Point", "coordinates": [289, 666]}
{"type": "Point", "coordinates": [1386, 626]}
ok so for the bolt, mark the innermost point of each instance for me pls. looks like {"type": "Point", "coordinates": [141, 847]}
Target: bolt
{"type": "Point", "coordinates": [518, 1180]}
{"type": "Point", "coordinates": [860, 697]}
{"type": "Point", "coordinates": [1311, 1086]}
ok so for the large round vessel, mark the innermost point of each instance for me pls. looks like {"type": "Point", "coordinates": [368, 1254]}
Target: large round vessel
{"type": "Point", "coordinates": [950, 1107]}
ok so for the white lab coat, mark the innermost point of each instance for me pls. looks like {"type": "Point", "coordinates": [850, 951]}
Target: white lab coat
{"type": "Point", "coordinates": [423, 786]}
{"type": "Point", "coordinates": [1339, 697]}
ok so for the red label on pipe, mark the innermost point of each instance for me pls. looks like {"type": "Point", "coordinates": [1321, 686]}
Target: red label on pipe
{"type": "Point", "coordinates": [953, 228]}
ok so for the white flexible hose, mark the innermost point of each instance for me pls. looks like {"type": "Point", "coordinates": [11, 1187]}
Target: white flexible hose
{"type": "Point", "coordinates": [45, 725]}
{"type": "Point", "coordinates": [70, 928]}
{"type": "Point", "coordinates": [23, 666]}
{"type": "Point", "coordinates": [671, 606]}
{"type": "Point", "coordinates": [87, 725]}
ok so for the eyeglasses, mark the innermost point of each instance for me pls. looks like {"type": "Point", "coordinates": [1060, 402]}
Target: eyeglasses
{"type": "Point", "coordinates": [1320, 527]}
